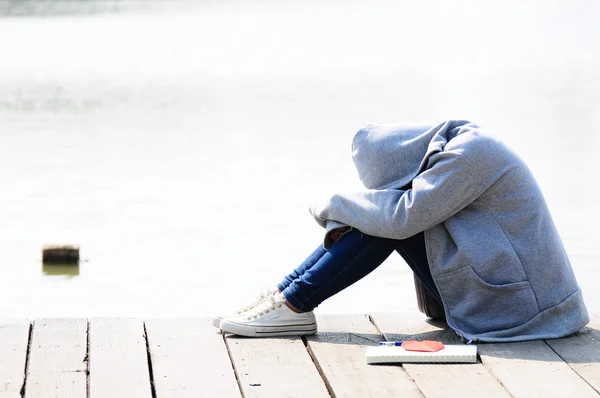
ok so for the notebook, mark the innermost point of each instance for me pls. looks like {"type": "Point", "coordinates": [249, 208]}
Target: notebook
{"type": "Point", "coordinates": [450, 354]}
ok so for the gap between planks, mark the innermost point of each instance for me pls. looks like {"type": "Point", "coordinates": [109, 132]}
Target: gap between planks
{"type": "Point", "coordinates": [149, 358]}
{"type": "Point", "coordinates": [190, 359]}
{"type": "Point", "coordinates": [439, 380]}
{"type": "Point", "coordinates": [27, 353]}
{"type": "Point", "coordinates": [235, 372]}
{"type": "Point", "coordinates": [319, 368]}
{"type": "Point", "coordinates": [87, 358]}
{"type": "Point", "coordinates": [578, 352]}
{"type": "Point", "coordinates": [340, 347]}
{"type": "Point", "coordinates": [275, 367]}
{"type": "Point", "coordinates": [57, 359]}
{"type": "Point", "coordinates": [315, 359]}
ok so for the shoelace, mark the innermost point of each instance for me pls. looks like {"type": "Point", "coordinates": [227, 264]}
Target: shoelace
{"type": "Point", "coordinates": [270, 304]}
{"type": "Point", "coordinates": [264, 294]}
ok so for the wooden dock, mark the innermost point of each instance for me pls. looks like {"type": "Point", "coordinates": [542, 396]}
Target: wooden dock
{"type": "Point", "coordinates": [172, 358]}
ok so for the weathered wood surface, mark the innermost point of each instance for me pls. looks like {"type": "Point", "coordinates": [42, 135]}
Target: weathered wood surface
{"type": "Point", "coordinates": [190, 359]}
{"type": "Point", "coordinates": [58, 359]}
{"type": "Point", "coordinates": [14, 338]}
{"type": "Point", "coordinates": [582, 353]}
{"type": "Point", "coordinates": [533, 369]}
{"type": "Point", "coordinates": [439, 380]}
{"type": "Point", "coordinates": [339, 350]}
{"type": "Point", "coordinates": [275, 367]}
{"type": "Point", "coordinates": [118, 359]}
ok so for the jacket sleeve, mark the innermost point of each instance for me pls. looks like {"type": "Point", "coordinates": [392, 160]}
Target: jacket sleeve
{"type": "Point", "coordinates": [449, 184]}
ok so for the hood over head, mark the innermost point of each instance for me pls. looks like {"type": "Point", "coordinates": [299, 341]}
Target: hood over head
{"type": "Point", "coordinates": [390, 156]}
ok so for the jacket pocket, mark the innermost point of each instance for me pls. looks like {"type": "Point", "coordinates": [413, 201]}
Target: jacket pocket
{"type": "Point", "coordinates": [476, 306]}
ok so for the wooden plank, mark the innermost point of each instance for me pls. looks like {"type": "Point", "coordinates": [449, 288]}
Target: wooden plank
{"type": "Point", "coordinates": [118, 359]}
{"type": "Point", "coordinates": [582, 352]}
{"type": "Point", "coordinates": [190, 359]}
{"type": "Point", "coordinates": [14, 338]}
{"type": "Point", "coordinates": [58, 359]}
{"type": "Point", "coordinates": [439, 380]}
{"type": "Point", "coordinates": [275, 367]}
{"type": "Point", "coordinates": [339, 349]}
{"type": "Point", "coordinates": [532, 369]}
{"type": "Point", "coordinates": [58, 386]}
{"type": "Point", "coordinates": [413, 326]}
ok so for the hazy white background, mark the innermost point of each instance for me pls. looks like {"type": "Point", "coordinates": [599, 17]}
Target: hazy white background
{"type": "Point", "coordinates": [180, 142]}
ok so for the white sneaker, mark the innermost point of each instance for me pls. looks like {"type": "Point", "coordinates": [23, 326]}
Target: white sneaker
{"type": "Point", "coordinates": [271, 318]}
{"type": "Point", "coordinates": [264, 293]}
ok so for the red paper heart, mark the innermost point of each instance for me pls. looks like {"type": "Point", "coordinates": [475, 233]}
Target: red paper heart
{"type": "Point", "coordinates": [423, 346]}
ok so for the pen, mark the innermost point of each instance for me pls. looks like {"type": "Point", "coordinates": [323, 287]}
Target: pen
{"type": "Point", "coordinates": [391, 343]}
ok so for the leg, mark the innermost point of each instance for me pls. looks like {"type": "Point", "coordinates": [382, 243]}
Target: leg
{"type": "Point", "coordinates": [351, 258]}
{"type": "Point", "coordinates": [306, 265]}
{"type": "Point", "coordinates": [413, 252]}
{"type": "Point", "coordinates": [322, 275]}
{"type": "Point", "coordinates": [295, 274]}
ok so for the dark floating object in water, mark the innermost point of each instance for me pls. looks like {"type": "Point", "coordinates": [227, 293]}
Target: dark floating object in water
{"type": "Point", "coordinates": [63, 254]}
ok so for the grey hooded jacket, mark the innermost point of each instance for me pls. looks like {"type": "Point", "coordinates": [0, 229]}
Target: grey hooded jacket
{"type": "Point", "coordinates": [493, 250]}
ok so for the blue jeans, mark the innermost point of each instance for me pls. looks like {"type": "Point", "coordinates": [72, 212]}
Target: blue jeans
{"type": "Point", "coordinates": [327, 272]}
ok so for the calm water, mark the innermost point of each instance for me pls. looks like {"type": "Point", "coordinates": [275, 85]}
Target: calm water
{"type": "Point", "coordinates": [180, 144]}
